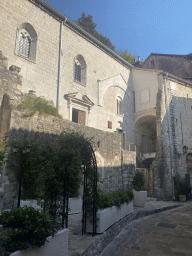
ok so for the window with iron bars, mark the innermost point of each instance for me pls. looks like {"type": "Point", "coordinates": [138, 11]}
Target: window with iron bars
{"type": "Point", "coordinates": [24, 45]}
{"type": "Point", "coordinates": [77, 72]}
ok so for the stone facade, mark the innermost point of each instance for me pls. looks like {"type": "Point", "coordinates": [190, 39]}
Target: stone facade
{"type": "Point", "coordinates": [174, 104]}
{"type": "Point", "coordinates": [116, 167]}
{"type": "Point", "coordinates": [178, 65]}
{"type": "Point", "coordinates": [124, 107]}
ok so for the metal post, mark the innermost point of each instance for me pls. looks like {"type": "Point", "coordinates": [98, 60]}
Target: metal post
{"type": "Point", "coordinates": [20, 181]}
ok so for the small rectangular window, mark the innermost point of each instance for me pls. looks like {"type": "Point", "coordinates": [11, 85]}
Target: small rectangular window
{"type": "Point", "coordinates": [78, 116]}
{"type": "Point", "coordinates": [109, 124]}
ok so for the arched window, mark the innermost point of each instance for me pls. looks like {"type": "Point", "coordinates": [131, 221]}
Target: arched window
{"type": "Point", "coordinates": [119, 105]}
{"type": "Point", "coordinates": [77, 71]}
{"type": "Point", "coordinates": [26, 41]}
{"type": "Point", "coordinates": [80, 70]}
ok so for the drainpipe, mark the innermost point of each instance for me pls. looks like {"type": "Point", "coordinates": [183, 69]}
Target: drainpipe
{"type": "Point", "coordinates": [59, 62]}
{"type": "Point", "coordinates": [165, 75]}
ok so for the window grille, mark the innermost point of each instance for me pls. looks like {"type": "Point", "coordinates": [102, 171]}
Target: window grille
{"type": "Point", "coordinates": [77, 72]}
{"type": "Point", "coordinates": [24, 45]}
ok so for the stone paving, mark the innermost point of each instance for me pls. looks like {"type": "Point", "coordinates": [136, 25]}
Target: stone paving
{"type": "Point", "coordinates": [162, 234]}
{"type": "Point", "coordinates": [85, 245]}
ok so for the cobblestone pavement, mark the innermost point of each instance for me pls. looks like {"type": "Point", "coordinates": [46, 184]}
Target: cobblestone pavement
{"type": "Point", "coordinates": [162, 234]}
{"type": "Point", "coordinates": [78, 244]}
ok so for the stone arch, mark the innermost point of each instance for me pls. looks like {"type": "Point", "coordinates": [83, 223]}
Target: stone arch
{"type": "Point", "coordinates": [112, 95]}
{"type": "Point", "coordinates": [116, 81]}
{"type": "Point", "coordinates": [26, 30]}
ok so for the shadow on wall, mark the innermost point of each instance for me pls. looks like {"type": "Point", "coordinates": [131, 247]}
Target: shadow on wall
{"type": "Point", "coordinates": [113, 176]}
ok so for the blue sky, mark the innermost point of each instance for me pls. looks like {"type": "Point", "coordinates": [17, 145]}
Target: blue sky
{"type": "Point", "coordinates": [141, 26]}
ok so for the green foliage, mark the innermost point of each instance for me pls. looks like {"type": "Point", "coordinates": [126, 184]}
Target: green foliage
{"type": "Point", "coordinates": [104, 201]}
{"type": "Point", "coordinates": [131, 58]}
{"type": "Point", "coordinates": [25, 228]}
{"type": "Point", "coordinates": [3, 149]}
{"type": "Point", "coordinates": [51, 170]}
{"type": "Point", "coordinates": [138, 181]}
{"type": "Point", "coordinates": [87, 23]}
{"type": "Point", "coordinates": [30, 164]}
{"type": "Point", "coordinates": [5, 239]}
{"type": "Point", "coordinates": [116, 198]}
{"type": "Point", "coordinates": [182, 186]}
{"type": "Point", "coordinates": [40, 105]}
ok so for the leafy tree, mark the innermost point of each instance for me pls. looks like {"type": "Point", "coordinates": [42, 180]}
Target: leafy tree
{"type": "Point", "coordinates": [131, 58]}
{"type": "Point", "coordinates": [87, 23]}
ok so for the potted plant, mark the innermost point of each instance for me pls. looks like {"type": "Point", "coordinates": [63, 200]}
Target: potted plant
{"type": "Point", "coordinates": [182, 188]}
{"type": "Point", "coordinates": [138, 182]}
{"type": "Point", "coordinates": [111, 208]}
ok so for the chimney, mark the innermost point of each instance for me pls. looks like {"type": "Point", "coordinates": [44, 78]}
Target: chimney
{"type": "Point", "coordinates": [138, 58]}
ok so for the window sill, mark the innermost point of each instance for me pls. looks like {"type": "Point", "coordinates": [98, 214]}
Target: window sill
{"type": "Point", "coordinates": [79, 83]}
{"type": "Point", "coordinates": [19, 55]}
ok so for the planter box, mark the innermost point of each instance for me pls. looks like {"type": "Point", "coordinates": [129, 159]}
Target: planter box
{"type": "Point", "coordinates": [57, 245]}
{"type": "Point", "coordinates": [140, 198]}
{"type": "Point", "coordinates": [109, 216]}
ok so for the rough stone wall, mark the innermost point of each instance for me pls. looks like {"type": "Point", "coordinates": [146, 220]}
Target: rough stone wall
{"type": "Point", "coordinates": [10, 80]}
{"type": "Point", "coordinates": [173, 132]}
{"type": "Point", "coordinates": [42, 75]}
{"type": "Point", "coordinates": [115, 167]}
{"type": "Point", "coordinates": [178, 65]}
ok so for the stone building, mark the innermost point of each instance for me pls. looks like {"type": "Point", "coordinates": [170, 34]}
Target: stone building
{"type": "Point", "coordinates": [138, 114]}
{"type": "Point", "coordinates": [178, 65]}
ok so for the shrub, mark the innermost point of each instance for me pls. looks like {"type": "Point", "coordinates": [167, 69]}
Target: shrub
{"type": "Point", "coordinates": [5, 234]}
{"type": "Point", "coordinates": [104, 201]}
{"type": "Point", "coordinates": [40, 105]}
{"type": "Point", "coordinates": [116, 198]}
{"type": "Point", "coordinates": [138, 181]}
{"type": "Point", "coordinates": [26, 227]}
{"type": "Point", "coordinates": [130, 195]}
